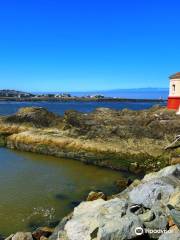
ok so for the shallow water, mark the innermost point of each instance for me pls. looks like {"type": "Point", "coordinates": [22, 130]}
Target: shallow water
{"type": "Point", "coordinates": [38, 190]}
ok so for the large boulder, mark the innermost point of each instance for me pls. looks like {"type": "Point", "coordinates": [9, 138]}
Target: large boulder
{"type": "Point", "coordinates": [149, 192]}
{"type": "Point", "coordinates": [22, 236]}
{"type": "Point", "coordinates": [92, 219]}
{"type": "Point", "coordinates": [165, 172]}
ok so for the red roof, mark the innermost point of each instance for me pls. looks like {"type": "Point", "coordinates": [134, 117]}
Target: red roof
{"type": "Point", "coordinates": [175, 76]}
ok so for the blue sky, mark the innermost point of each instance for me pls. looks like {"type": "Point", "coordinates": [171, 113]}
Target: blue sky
{"type": "Point", "coordinates": [75, 45]}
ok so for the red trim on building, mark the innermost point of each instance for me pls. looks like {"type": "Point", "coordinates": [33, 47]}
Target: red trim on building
{"type": "Point", "coordinates": [173, 103]}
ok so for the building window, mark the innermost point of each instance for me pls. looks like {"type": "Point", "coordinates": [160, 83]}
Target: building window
{"type": "Point", "coordinates": [173, 88]}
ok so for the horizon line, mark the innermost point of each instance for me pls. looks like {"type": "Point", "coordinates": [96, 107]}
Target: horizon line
{"type": "Point", "coordinates": [85, 91]}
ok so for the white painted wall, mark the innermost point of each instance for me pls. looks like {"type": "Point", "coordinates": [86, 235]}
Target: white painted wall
{"type": "Point", "coordinates": [174, 89]}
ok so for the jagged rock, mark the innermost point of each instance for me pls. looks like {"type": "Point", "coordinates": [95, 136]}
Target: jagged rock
{"type": "Point", "coordinates": [59, 230]}
{"type": "Point", "coordinates": [119, 217]}
{"type": "Point", "coordinates": [121, 228]}
{"type": "Point", "coordinates": [96, 195]}
{"type": "Point", "coordinates": [93, 218]}
{"type": "Point", "coordinates": [175, 161]}
{"type": "Point", "coordinates": [22, 236]}
{"type": "Point", "coordinates": [160, 221]}
{"type": "Point", "coordinates": [175, 200]}
{"type": "Point", "coordinates": [165, 172]}
{"type": "Point", "coordinates": [147, 216]}
{"type": "Point", "coordinates": [153, 190]}
{"type": "Point", "coordinates": [175, 214]}
{"type": "Point", "coordinates": [42, 232]}
{"type": "Point", "coordinates": [175, 235]}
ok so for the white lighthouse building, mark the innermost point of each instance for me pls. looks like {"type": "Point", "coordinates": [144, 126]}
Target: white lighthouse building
{"type": "Point", "coordinates": [174, 92]}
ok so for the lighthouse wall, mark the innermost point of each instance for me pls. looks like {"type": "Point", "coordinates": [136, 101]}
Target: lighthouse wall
{"type": "Point", "coordinates": [174, 94]}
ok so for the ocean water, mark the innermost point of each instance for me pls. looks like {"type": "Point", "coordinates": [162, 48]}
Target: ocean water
{"type": "Point", "coordinates": [7, 108]}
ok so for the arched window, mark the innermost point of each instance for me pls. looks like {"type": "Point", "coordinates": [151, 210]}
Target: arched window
{"type": "Point", "coordinates": [173, 88]}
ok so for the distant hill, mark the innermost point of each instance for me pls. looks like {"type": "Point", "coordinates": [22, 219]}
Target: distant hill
{"type": "Point", "coordinates": [14, 93]}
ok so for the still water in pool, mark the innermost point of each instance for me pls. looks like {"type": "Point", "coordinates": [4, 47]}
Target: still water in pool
{"type": "Point", "coordinates": [38, 190]}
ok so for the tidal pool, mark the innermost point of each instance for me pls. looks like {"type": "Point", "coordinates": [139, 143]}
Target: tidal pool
{"type": "Point", "coordinates": [38, 190]}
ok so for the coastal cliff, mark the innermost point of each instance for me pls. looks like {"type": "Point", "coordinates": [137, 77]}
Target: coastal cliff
{"type": "Point", "coordinates": [121, 140]}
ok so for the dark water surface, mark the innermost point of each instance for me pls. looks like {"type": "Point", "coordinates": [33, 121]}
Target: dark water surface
{"type": "Point", "coordinates": [7, 108]}
{"type": "Point", "coordinates": [37, 190]}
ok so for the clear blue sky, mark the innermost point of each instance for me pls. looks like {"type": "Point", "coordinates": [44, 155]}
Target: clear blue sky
{"type": "Point", "coordinates": [71, 45]}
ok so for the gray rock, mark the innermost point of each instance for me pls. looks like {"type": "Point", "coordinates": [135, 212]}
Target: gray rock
{"type": "Point", "coordinates": [59, 230]}
{"type": "Point", "coordinates": [149, 192]}
{"type": "Point", "coordinates": [22, 236]}
{"type": "Point", "coordinates": [168, 171]}
{"type": "Point", "coordinates": [175, 215]}
{"type": "Point", "coordinates": [122, 228]}
{"type": "Point", "coordinates": [10, 237]}
{"type": "Point", "coordinates": [175, 200]}
{"type": "Point", "coordinates": [92, 219]}
{"type": "Point", "coordinates": [170, 236]}
{"type": "Point", "coordinates": [159, 222]}
{"type": "Point", "coordinates": [147, 216]}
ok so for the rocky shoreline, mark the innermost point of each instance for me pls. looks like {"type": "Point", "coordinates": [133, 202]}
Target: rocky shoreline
{"type": "Point", "coordinates": [121, 140]}
{"type": "Point", "coordinates": [147, 209]}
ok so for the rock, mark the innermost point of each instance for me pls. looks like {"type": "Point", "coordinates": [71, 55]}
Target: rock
{"type": "Point", "coordinates": [144, 204]}
{"type": "Point", "coordinates": [159, 223]}
{"type": "Point", "coordinates": [136, 209]}
{"type": "Point", "coordinates": [175, 161]}
{"type": "Point", "coordinates": [22, 236]}
{"type": "Point", "coordinates": [175, 214]}
{"type": "Point", "coordinates": [121, 228]}
{"type": "Point", "coordinates": [170, 221]}
{"type": "Point", "coordinates": [135, 168]}
{"type": "Point", "coordinates": [165, 172]}
{"type": "Point", "coordinates": [124, 193]}
{"type": "Point", "coordinates": [175, 200]}
{"type": "Point", "coordinates": [43, 238]}
{"type": "Point", "coordinates": [147, 216]}
{"type": "Point", "coordinates": [96, 195]}
{"type": "Point", "coordinates": [93, 218]}
{"type": "Point", "coordinates": [174, 228]}
{"type": "Point", "coordinates": [59, 230]}
{"type": "Point", "coordinates": [42, 232]}
{"type": "Point", "coordinates": [122, 183]}
{"type": "Point", "coordinates": [37, 116]}
{"type": "Point", "coordinates": [149, 192]}
{"type": "Point", "coordinates": [10, 237]}
{"type": "Point", "coordinates": [175, 235]}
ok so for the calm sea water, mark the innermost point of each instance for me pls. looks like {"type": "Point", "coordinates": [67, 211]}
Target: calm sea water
{"type": "Point", "coordinates": [37, 190]}
{"type": "Point", "coordinates": [7, 108]}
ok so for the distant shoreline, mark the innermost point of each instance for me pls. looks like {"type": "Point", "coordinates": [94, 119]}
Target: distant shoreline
{"type": "Point", "coordinates": [79, 99]}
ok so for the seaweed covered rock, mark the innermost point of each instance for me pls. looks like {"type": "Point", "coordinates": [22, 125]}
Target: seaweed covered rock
{"type": "Point", "coordinates": [36, 116]}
